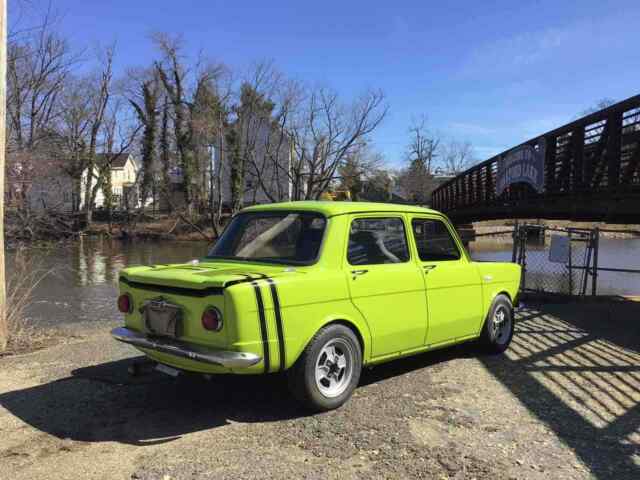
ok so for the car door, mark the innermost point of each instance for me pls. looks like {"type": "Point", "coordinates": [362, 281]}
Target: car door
{"type": "Point", "coordinates": [452, 282]}
{"type": "Point", "coordinates": [385, 284]}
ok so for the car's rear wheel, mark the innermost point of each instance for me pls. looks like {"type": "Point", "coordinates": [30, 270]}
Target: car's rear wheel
{"type": "Point", "coordinates": [498, 327]}
{"type": "Point", "coordinates": [328, 371]}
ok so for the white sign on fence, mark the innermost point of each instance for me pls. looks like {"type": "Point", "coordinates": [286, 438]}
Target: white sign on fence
{"type": "Point", "coordinates": [560, 249]}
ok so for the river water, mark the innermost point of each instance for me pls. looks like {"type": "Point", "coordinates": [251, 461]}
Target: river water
{"type": "Point", "coordinates": [80, 285]}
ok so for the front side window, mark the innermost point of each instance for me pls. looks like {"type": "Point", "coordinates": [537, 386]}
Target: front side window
{"type": "Point", "coordinates": [433, 240]}
{"type": "Point", "coordinates": [377, 240]}
{"type": "Point", "coordinates": [278, 237]}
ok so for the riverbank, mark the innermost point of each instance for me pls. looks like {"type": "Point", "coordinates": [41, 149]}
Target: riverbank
{"type": "Point", "coordinates": [562, 403]}
{"type": "Point", "coordinates": [20, 229]}
{"type": "Point", "coordinates": [153, 228]}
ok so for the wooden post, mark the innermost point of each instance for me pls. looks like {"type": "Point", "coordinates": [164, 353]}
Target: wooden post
{"type": "Point", "coordinates": [3, 75]}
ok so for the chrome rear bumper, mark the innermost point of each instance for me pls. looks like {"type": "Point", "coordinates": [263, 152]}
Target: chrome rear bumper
{"type": "Point", "coordinates": [224, 358]}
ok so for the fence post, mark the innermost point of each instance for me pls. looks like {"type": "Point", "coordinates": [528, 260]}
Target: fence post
{"type": "Point", "coordinates": [596, 246]}
{"type": "Point", "coordinates": [522, 260]}
{"type": "Point", "coordinates": [570, 263]}
{"type": "Point", "coordinates": [515, 243]}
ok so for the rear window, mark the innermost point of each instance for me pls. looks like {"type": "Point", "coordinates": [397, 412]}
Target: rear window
{"type": "Point", "coordinates": [278, 237]}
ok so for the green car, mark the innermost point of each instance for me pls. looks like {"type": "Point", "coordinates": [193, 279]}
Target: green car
{"type": "Point", "coordinates": [319, 290]}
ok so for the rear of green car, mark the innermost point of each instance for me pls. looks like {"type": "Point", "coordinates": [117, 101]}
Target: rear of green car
{"type": "Point", "coordinates": [287, 292]}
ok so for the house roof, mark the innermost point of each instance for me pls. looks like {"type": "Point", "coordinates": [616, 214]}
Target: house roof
{"type": "Point", "coordinates": [118, 160]}
{"type": "Point", "coordinates": [331, 208]}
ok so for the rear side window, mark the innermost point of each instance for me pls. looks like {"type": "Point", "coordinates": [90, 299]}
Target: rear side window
{"type": "Point", "coordinates": [433, 240]}
{"type": "Point", "coordinates": [377, 240]}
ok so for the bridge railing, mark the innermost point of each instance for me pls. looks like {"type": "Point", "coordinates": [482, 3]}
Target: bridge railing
{"type": "Point", "coordinates": [599, 153]}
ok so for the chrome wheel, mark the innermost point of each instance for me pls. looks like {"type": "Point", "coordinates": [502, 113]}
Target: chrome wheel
{"type": "Point", "coordinates": [501, 325]}
{"type": "Point", "coordinates": [334, 367]}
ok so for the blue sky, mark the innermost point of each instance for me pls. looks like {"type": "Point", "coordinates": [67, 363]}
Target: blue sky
{"type": "Point", "coordinates": [494, 73]}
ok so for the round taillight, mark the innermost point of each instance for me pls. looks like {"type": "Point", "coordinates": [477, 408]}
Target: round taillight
{"type": "Point", "coordinates": [212, 319]}
{"type": "Point", "coordinates": [125, 304]}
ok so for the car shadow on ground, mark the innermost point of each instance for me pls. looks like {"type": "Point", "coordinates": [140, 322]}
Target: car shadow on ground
{"type": "Point", "coordinates": [104, 403]}
{"type": "Point", "coordinates": [576, 367]}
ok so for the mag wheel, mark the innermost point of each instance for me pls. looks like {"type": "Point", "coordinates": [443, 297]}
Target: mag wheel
{"type": "Point", "coordinates": [498, 326]}
{"type": "Point", "coordinates": [328, 371]}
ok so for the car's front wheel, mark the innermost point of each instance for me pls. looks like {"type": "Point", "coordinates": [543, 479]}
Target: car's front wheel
{"type": "Point", "coordinates": [328, 371]}
{"type": "Point", "coordinates": [498, 326]}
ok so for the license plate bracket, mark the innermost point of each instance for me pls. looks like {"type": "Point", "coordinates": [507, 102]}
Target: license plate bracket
{"type": "Point", "coordinates": [161, 318]}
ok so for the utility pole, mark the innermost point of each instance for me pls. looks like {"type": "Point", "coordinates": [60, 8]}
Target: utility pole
{"type": "Point", "coordinates": [3, 104]}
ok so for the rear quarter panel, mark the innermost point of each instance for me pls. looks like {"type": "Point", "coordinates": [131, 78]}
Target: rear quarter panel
{"type": "Point", "coordinates": [308, 301]}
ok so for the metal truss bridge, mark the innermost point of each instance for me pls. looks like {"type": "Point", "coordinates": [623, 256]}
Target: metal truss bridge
{"type": "Point", "coordinates": [587, 170]}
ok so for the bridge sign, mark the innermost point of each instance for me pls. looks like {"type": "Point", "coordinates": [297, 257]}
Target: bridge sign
{"type": "Point", "coordinates": [522, 164]}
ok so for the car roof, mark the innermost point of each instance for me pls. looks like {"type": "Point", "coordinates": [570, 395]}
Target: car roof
{"type": "Point", "coordinates": [331, 208]}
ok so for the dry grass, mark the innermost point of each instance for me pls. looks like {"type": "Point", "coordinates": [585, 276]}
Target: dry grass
{"type": "Point", "coordinates": [24, 336]}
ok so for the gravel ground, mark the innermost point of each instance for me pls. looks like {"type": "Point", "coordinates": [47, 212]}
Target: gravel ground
{"type": "Point", "coordinates": [563, 402]}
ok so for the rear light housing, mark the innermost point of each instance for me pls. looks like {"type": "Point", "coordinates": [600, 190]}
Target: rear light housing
{"type": "Point", "coordinates": [212, 319]}
{"type": "Point", "coordinates": [125, 303]}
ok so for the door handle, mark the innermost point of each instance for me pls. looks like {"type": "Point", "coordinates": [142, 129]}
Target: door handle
{"type": "Point", "coordinates": [428, 268]}
{"type": "Point", "coordinates": [356, 273]}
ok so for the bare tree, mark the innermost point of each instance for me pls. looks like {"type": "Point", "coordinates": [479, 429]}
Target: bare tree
{"type": "Point", "coordinates": [416, 179]}
{"type": "Point", "coordinates": [324, 133]}
{"type": "Point", "coordinates": [457, 157]}
{"type": "Point", "coordinates": [100, 96]}
{"type": "Point", "coordinates": [267, 99]}
{"type": "Point", "coordinates": [73, 129]}
{"type": "Point", "coordinates": [188, 104]}
{"type": "Point", "coordinates": [39, 64]}
{"type": "Point", "coordinates": [171, 72]}
{"type": "Point", "coordinates": [4, 333]}
{"type": "Point", "coordinates": [599, 105]}
{"type": "Point", "coordinates": [165, 146]}
{"type": "Point", "coordinates": [85, 105]}
{"type": "Point", "coordinates": [144, 100]}
{"type": "Point", "coordinates": [423, 145]}
{"type": "Point", "coordinates": [118, 136]}
{"type": "Point", "coordinates": [359, 168]}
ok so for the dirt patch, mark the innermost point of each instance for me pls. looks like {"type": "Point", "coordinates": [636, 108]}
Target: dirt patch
{"type": "Point", "coordinates": [561, 403]}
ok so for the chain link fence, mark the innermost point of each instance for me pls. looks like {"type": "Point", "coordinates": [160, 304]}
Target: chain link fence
{"type": "Point", "coordinates": [556, 260]}
{"type": "Point", "coordinates": [568, 261]}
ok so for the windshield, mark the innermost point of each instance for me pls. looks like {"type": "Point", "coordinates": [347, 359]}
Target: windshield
{"type": "Point", "coordinates": [279, 237]}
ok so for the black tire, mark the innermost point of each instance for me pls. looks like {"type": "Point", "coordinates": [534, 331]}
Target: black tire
{"type": "Point", "coordinates": [497, 334]}
{"type": "Point", "coordinates": [318, 395]}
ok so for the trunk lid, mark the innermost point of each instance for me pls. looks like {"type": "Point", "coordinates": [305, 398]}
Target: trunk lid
{"type": "Point", "coordinates": [195, 276]}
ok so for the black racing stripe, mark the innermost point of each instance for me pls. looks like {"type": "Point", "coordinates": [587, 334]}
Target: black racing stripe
{"type": "Point", "coordinates": [276, 309]}
{"type": "Point", "coordinates": [189, 292]}
{"type": "Point", "coordinates": [263, 325]}
{"type": "Point", "coordinates": [248, 278]}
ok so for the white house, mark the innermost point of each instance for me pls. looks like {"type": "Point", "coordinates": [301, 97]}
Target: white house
{"type": "Point", "coordinates": [53, 190]}
{"type": "Point", "coordinates": [124, 172]}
